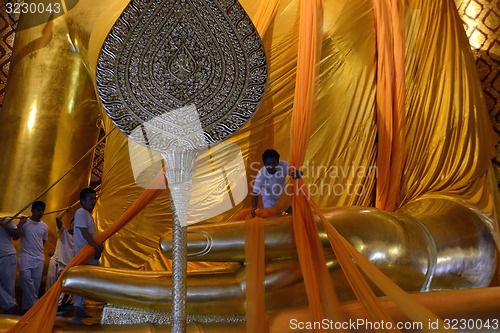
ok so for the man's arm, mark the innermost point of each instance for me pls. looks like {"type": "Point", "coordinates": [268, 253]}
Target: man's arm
{"type": "Point", "coordinates": [88, 237]}
{"type": "Point", "coordinates": [14, 233]}
{"type": "Point", "coordinates": [256, 191]}
{"type": "Point", "coordinates": [59, 217]}
{"type": "Point", "coordinates": [45, 233]}
{"type": "Point", "coordinates": [20, 226]}
{"type": "Point", "coordinates": [255, 201]}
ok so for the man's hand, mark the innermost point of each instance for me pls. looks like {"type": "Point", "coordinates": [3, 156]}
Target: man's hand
{"type": "Point", "coordinates": [22, 221]}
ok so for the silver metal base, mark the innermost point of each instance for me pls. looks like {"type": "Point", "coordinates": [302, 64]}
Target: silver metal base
{"type": "Point", "coordinates": [116, 315]}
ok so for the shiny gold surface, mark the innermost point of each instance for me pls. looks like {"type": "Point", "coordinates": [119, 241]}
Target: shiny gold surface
{"type": "Point", "coordinates": [48, 120]}
{"type": "Point", "coordinates": [481, 303]}
{"type": "Point", "coordinates": [432, 244]}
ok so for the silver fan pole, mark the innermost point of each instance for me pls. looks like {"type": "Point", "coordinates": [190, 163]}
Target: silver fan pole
{"type": "Point", "coordinates": [179, 174]}
{"type": "Point", "coordinates": [179, 273]}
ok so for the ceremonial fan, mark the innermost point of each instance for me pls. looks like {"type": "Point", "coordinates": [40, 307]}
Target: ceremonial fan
{"type": "Point", "coordinates": [178, 76]}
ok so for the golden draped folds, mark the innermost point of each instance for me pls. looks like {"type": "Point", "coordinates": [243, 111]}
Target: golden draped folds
{"type": "Point", "coordinates": [434, 139]}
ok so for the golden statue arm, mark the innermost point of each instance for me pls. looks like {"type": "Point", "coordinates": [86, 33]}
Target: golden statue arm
{"type": "Point", "coordinates": [418, 252]}
{"type": "Point", "coordinates": [428, 244]}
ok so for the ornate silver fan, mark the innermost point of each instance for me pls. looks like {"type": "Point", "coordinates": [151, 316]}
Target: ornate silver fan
{"type": "Point", "coordinates": [178, 76]}
{"type": "Point", "coordinates": [163, 56]}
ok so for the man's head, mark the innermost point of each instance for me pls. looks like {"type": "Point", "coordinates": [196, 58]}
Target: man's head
{"type": "Point", "coordinates": [271, 159]}
{"type": "Point", "coordinates": [37, 209]}
{"type": "Point", "coordinates": [88, 199]}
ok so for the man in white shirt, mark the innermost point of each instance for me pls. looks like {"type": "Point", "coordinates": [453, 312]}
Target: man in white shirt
{"type": "Point", "coordinates": [84, 233]}
{"type": "Point", "coordinates": [270, 180]}
{"type": "Point", "coordinates": [8, 263]}
{"type": "Point", "coordinates": [34, 232]}
{"type": "Point", "coordinates": [63, 253]}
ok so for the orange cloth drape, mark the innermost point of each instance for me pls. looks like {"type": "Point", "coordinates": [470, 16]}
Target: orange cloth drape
{"type": "Point", "coordinates": [254, 230]}
{"type": "Point", "coordinates": [323, 303]}
{"type": "Point", "coordinates": [390, 35]}
{"type": "Point", "coordinates": [41, 317]}
{"type": "Point", "coordinates": [320, 292]}
{"type": "Point", "coordinates": [353, 263]}
{"type": "Point", "coordinates": [265, 15]}
{"type": "Point", "coordinates": [255, 273]}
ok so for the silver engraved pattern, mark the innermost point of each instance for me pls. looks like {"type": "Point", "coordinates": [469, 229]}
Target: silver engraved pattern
{"type": "Point", "coordinates": [121, 315]}
{"type": "Point", "coordinates": [161, 56]}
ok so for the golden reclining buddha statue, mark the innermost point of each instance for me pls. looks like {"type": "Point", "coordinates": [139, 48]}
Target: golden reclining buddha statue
{"type": "Point", "coordinates": [413, 250]}
{"type": "Point", "coordinates": [435, 230]}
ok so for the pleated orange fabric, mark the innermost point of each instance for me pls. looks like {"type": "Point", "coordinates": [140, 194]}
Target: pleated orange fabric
{"type": "Point", "coordinates": [353, 263]}
{"type": "Point", "coordinates": [265, 15]}
{"type": "Point", "coordinates": [365, 295]}
{"type": "Point", "coordinates": [255, 273]}
{"type": "Point", "coordinates": [390, 33]}
{"type": "Point", "coordinates": [254, 227]}
{"type": "Point", "coordinates": [323, 302]}
{"type": "Point", "coordinates": [41, 317]}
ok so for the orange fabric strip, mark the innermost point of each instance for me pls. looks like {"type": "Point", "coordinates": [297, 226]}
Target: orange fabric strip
{"type": "Point", "coordinates": [255, 274]}
{"type": "Point", "coordinates": [350, 260]}
{"type": "Point", "coordinates": [254, 234]}
{"type": "Point", "coordinates": [323, 302]}
{"type": "Point", "coordinates": [265, 15]}
{"type": "Point", "coordinates": [391, 94]}
{"type": "Point", "coordinates": [371, 305]}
